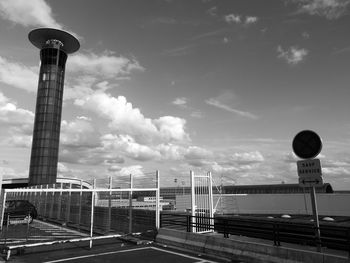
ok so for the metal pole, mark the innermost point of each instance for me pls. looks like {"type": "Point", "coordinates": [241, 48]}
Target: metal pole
{"type": "Point", "coordinates": [3, 196]}
{"type": "Point", "coordinates": [92, 212]}
{"type": "Point", "coordinates": [316, 221]}
{"type": "Point", "coordinates": [130, 204]}
{"type": "Point", "coordinates": [211, 204]}
{"type": "Point", "coordinates": [45, 210]}
{"type": "Point", "coordinates": [59, 203]}
{"type": "Point", "coordinates": [80, 204]}
{"type": "Point", "coordinates": [109, 205]}
{"type": "Point", "coordinates": [69, 201]}
{"type": "Point", "coordinates": [157, 200]}
{"type": "Point", "coordinates": [193, 201]}
{"type": "Point", "coordinates": [52, 203]}
{"type": "Point", "coordinates": [306, 211]}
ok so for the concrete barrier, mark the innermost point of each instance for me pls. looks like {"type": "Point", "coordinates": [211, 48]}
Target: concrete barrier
{"type": "Point", "coordinates": [243, 250]}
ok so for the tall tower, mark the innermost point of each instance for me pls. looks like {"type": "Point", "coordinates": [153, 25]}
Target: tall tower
{"type": "Point", "coordinates": [54, 47]}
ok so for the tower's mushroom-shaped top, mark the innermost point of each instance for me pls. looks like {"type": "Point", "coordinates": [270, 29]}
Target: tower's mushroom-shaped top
{"type": "Point", "coordinates": [40, 37]}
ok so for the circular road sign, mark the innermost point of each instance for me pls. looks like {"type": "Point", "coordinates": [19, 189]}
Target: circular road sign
{"type": "Point", "coordinates": [307, 144]}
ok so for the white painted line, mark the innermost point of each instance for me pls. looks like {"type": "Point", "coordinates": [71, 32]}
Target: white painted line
{"type": "Point", "coordinates": [49, 226]}
{"type": "Point", "coordinates": [96, 255]}
{"type": "Point", "coordinates": [183, 255]}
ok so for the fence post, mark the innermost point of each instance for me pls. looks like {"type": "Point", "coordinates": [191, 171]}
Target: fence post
{"type": "Point", "coordinates": [40, 201]}
{"type": "Point", "coordinates": [59, 206]}
{"type": "Point", "coordinates": [109, 205]}
{"type": "Point", "coordinates": [52, 203]}
{"type": "Point", "coordinates": [188, 222]}
{"type": "Point", "coordinates": [157, 201]}
{"type": "Point", "coordinates": [3, 203]}
{"type": "Point", "coordinates": [276, 234]}
{"type": "Point", "coordinates": [45, 209]}
{"type": "Point", "coordinates": [210, 200]}
{"type": "Point", "coordinates": [92, 212]}
{"type": "Point", "coordinates": [68, 204]}
{"type": "Point", "coordinates": [80, 201]}
{"type": "Point", "coordinates": [130, 204]}
{"type": "Point", "coordinates": [193, 202]}
{"type": "Point", "coordinates": [226, 233]}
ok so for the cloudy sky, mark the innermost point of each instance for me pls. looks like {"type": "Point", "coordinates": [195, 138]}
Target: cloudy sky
{"type": "Point", "coordinates": [177, 85]}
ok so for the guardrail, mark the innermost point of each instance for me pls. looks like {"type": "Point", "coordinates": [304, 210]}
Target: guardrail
{"type": "Point", "coordinates": [336, 237]}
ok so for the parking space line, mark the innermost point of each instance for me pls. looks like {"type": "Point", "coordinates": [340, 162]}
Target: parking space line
{"type": "Point", "coordinates": [184, 255]}
{"type": "Point", "coordinates": [198, 260]}
{"type": "Point", "coordinates": [96, 255]}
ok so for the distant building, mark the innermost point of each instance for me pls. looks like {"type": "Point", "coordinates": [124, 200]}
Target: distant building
{"type": "Point", "coordinates": [171, 192]}
{"type": "Point", "coordinates": [54, 47]}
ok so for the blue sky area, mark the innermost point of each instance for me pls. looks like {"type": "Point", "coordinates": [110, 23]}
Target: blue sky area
{"type": "Point", "coordinates": [220, 86]}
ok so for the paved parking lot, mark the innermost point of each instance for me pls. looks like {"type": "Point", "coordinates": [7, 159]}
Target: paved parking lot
{"type": "Point", "coordinates": [139, 254]}
{"type": "Point", "coordinates": [38, 231]}
{"type": "Point", "coordinates": [113, 252]}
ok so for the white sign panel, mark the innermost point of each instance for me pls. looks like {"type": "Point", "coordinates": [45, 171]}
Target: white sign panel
{"type": "Point", "coordinates": [311, 181]}
{"type": "Point", "coordinates": [310, 167]}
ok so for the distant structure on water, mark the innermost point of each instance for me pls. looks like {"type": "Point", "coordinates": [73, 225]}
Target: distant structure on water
{"type": "Point", "coordinates": [54, 45]}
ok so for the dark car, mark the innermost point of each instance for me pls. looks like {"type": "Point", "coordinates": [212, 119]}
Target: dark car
{"type": "Point", "coordinates": [19, 210]}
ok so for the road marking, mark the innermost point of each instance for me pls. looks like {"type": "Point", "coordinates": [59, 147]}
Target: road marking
{"type": "Point", "coordinates": [96, 255]}
{"type": "Point", "coordinates": [183, 255]}
{"type": "Point", "coordinates": [131, 250]}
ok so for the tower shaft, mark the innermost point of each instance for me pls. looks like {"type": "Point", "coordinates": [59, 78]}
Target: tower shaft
{"type": "Point", "coordinates": [47, 124]}
{"type": "Point", "coordinates": [54, 45]}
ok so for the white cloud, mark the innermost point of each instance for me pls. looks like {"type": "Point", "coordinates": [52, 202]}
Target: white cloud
{"type": "Point", "coordinates": [250, 20]}
{"type": "Point", "coordinates": [223, 170]}
{"type": "Point", "coordinates": [331, 9]}
{"type": "Point", "coordinates": [128, 120]}
{"type": "Point", "coordinates": [114, 168]}
{"type": "Point", "coordinates": [180, 102]}
{"type": "Point", "coordinates": [11, 114]}
{"type": "Point", "coordinates": [79, 133]}
{"type": "Point", "coordinates": [290, 158]}
{"type": "Point", "coordinates": [63, 169]}
{"type": "Point", "coordinates": [171, 128]}
{"type": "Point", "coordinates": [17, 122]}
{"type": "Point", "coordinates": [238, 19]}
{"type": "Point", "coordinates": [196, 114]}
{"type": "Point", "coordinates": [28, 13]}
{"type": "Point", "coordinates": [247, 157]}
{"type": "Point", "coordinates": [232, 18]}
{"type": "Point", "coordinates": [7, 172]}
{"type": "Point", "coordinates": [105, 65]}
{"type": "Point", "coordinates": [216, 103]}
{"type": "Point", "coordinates": [20, 140]}
{"type": "Point", "coordinates": [128, 146]}
{"type": "Point", "coordinates": [195, 152]}
{"type": "Point", "coordinates": [135, 170]}
{"type": "Point", "coordinates": [212, 11]}
{"type": "Point", "coordinates": [89, 72]}
{"type": "Point", "coordinates": [293, 56]}
{"type": "Point", "coordinates": [18, 75]}
{"type": "Point", "coordinates": [305, 35]}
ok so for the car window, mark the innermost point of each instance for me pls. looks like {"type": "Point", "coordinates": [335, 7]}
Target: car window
{"type": "Point", "coordinates": [20, 204]}
{"type": "Point", "coordinates": [10, 204]}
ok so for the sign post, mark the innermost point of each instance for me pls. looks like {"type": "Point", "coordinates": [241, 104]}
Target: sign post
{"type": "Point", "coordinates": [307, 145]}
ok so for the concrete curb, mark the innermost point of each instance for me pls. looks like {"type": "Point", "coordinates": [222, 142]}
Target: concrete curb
{"type": "Point", "coordinates": [242, 250]}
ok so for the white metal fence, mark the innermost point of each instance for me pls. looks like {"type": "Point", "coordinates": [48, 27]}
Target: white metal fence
{"type": "Point", "coordinates": [201, 202]}
{"type": "Point", "coordinates": [71, 213]}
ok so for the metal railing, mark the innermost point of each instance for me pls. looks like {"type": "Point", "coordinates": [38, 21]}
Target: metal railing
{"type": "Point", "coordinates": [73, 214]}
{"type": "Point", "coordinates": [335, 237]}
